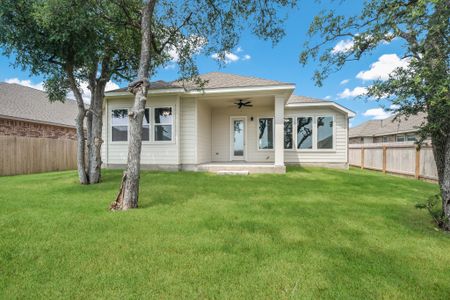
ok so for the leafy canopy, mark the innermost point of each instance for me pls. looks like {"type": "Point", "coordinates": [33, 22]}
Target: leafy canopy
{"type": "Point", "coordinates": [423, 26]}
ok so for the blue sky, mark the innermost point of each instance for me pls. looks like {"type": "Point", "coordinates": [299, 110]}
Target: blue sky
{"type": "Point", "coordinates": [258, 58]}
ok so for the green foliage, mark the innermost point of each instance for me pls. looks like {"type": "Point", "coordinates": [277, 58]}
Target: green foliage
{"type": "Point", "coordinates": [423, 26]}
{"type": "Point", "coordinates": [48, 37]}
{"type": "Point", "coordinates": [309, 234]}
{"type": "Point", "coordinates": [434, 206]}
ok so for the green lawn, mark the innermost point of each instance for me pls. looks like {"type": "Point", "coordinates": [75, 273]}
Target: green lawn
{"type": "Point", "coordinates": [310, 233]}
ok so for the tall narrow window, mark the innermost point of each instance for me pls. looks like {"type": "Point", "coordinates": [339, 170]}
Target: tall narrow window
{"type": "Point", "coordinates": [324, 132]}
{"type": "Point", "coordinates": [304, 133]}
{"type": "Point", "coordinates": [119, 124]}
{"type": "Point", "coordinates": [146, 125]}
{"type": "Point", "coordinates": [288, 139]}
{"type": "Point", "coordinates": [265, 136]}
{"type": "Point", "coordinates": [163, 124]}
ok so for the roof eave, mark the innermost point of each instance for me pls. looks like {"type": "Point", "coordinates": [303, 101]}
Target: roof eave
{"type": "Point", "coordinates": [210, 91]}
{"type": "Point", "coordinates": [349, 112]}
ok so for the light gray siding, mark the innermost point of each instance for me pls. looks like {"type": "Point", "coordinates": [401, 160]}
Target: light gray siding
{"type": "Point", "coordinates": [203, 132]}
{"type": "Point", "coordinates": [188, 138]}
{"type": "Point", "coordinates": [152, 152]}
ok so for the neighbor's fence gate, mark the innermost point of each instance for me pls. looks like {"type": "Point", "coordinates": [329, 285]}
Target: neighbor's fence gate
{"type": "Point", "coordinates": [396, 158]}
{"type": "Point", "coordinates": [25, 155]}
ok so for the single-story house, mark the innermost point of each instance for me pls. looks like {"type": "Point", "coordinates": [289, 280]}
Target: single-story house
{"type": "Point", "coordinates": [389, 130]}
{"type": "Point", "coordinates": [235, 123]}
{"type": "Point", "coordinates": [27, 112]}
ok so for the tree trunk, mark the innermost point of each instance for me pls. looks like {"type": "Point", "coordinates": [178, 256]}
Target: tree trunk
{"type": "Point", "coordinates": [81, 163]}
{"type": "Point", "coordinates": [81, 143]}
{"type": "Point", "coordinates": [95, 161]}
{"type": "Point", "coordinates": [441, 151]}
{"type": "Point", "coordinates": [129, 191]}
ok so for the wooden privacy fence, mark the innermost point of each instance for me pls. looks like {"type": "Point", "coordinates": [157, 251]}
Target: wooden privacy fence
{"type": "Point", "coordinates": [396, 158]}
{"type": "Point", "coordinates": [25, 155]}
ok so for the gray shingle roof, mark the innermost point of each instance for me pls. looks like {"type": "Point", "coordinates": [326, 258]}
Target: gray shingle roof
{"type": "Point", "coordinates": [303, 99]}
{"type": "Point", "coordinates": [21, 102]}
{"type": "Point", "coordinates": [388, 126]}
{"type": "Point", "coordinates": [215, 80]}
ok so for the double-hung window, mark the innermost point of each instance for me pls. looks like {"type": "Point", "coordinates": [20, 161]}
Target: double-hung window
{"type": "Point", "coordinates": [411, 137]}
{"type": "Point", "coordinates": [288, 133]}
{"type": "Point", "coordinates": [400, 138]}
{"type": "Point", "coordinates": [324, 132]}
{"type": "Point", "coordinates": [119, 124]}
{"type": "Point", "coordinates": [163, 123]}
{"type": "Point", "coordinates": [265, 135]}
{"type": "Point", "coordinates": [146, 126]}
{"type": "Point", "coordinates": [304, 133]}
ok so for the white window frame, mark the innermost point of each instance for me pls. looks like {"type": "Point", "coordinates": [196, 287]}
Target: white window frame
{"type": "Point", "coordinates": [313, 136]}
{"type": "Point", "coordinates": [333, 149]}
{"type": "Point", "coordinates": [410, 134]}
{"type": "Point", "coordinates": [396, 138]}
{"type": "Point", "coordinates": [154, 124]}
{"type": "Point", "coordinates": [273, 134]}
{"type": "Point", "coordinates": [111, 126]}
{"type": "Point", "coordinates": [149, 126]}
{"type": "Point", "coordinates": [294, 133]}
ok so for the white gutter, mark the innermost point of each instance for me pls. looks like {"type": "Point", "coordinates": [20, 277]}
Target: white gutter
{"type": "Point", "coordinates": [209, 91]}
{"type": "Point", "coordinates": [350, 113]}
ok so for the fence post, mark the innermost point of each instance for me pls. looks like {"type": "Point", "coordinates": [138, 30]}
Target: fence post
{"type": "Point", "coordinates": [417, 173]}
{"type": "Point", "coordinates": [384, 159]}
{"type": "Point", "coordinates": [362, 157]}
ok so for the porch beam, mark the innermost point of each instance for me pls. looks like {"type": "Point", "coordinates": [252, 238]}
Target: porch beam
{"type": "Point", "coordinates": [279, 131]}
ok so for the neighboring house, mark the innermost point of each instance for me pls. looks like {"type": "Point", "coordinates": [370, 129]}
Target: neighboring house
{"type": "Point", "coordinates": [27, 112]}
{"type": "Point", "coordinates": [234, 123]}
{"type": "Point", "coordinates": [388, 130]}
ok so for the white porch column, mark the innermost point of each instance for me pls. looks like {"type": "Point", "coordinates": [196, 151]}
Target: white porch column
{"type": "Point", "coordinates": [279, 131]}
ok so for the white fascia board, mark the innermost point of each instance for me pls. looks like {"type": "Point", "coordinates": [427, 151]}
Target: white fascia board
{"type": "Point", "coordinates": [230, 90]}
{"type": "Point", "coordinates": [350, 113]}
{"type": "Point", "coordinates": [150, 92]}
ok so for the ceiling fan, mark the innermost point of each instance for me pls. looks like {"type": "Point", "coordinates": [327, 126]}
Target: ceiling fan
{"type": "Point", "coordinates": [243, 103]}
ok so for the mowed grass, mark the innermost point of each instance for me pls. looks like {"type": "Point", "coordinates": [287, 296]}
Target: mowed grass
{"type": "Point", "coordinates": [312, 233]}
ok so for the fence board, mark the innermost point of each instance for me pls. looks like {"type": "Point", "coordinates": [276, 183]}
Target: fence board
{"type": "Point", "coordinates": [398, 158]}
{"type": "Point", "coordinates": [26, 155]}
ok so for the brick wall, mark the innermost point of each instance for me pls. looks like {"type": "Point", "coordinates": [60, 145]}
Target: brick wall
{"type": "Point", "coordinates": [22, 128]}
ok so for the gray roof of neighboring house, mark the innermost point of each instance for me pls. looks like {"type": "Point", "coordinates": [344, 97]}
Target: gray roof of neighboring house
{"type": "Point", "coordinates": [214, 80]}
{"type": "Point", "coordinates": [389, 126]}
{"type": "Point", "coordinates": [21, 102]}
{"type": "Point", "coordinates": [303, 99]}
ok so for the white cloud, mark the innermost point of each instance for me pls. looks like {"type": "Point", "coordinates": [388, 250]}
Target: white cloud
{"type": "Point", "coordinates": [343, 46]}
{"type": "Point", "coordinates": [87, 93]}
{"type": "Point", "coordinates": [328, 97]}
{"type": "Point", "coordinates": [28, 83]}
{"type": "Point", "coordinates": [379, 113]}
{"type": "Point", "coordinates": [376, 113]}
{"type": "Point", "coordinates": [228, 57]}
{"type": "Point", "coordinates": [357, 91]}
{"type": "Point", "coordinates": [383, 67]}
{"type": "Point", "coordinates": [83, 86]}
{"type": "Point", "coordinates": [345, 81]}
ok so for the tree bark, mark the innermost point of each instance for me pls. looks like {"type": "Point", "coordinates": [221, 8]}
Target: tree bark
{"type": "Point", "coordinates": [95, 142]}
{"type": "Point", "coordinates": [81, 143]}
{"type": "Point", "coordinates": [129, 191]}
{"type": "Point", "coordinates": [441, 151]}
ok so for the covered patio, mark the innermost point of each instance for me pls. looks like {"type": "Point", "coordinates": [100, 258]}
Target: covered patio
{"type": "Point", "coordinates": [241, 138]}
